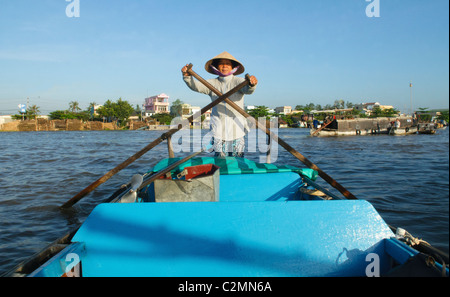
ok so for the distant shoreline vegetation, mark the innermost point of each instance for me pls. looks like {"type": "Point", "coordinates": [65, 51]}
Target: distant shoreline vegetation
{"type": "Point", "coordinates": [377, 112]}
{"type": "Point", "coordinates": [120, 112]}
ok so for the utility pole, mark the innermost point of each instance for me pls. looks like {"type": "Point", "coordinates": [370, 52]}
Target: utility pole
{"type": "Point", "coordinates": [410, 96]}
{"type": "Point", "coordinates": [28, 103]}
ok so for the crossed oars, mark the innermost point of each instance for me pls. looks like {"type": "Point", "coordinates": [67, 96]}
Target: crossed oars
{"type": "Point", "coordinates": [164, 136]}
{"type": "Point", "coordinates": [147, 148]}
{"type": "Point", "coordinates": [286, 146]}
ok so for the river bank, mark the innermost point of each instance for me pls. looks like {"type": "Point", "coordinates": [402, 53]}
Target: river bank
{"type": "Point", "coordinates": [71, 125]}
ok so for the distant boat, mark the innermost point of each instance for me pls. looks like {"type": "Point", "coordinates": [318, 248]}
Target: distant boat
{"type": "Point", "coordinates": [426, 128]}
{"type": "Point", "coordinates": [402, 130]}
{"type": "Point", "coordinates": [365, 126]}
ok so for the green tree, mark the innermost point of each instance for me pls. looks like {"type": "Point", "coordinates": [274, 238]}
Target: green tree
{"type": "Point", "coordinates": [163, 118]}
{"type": "Point", "coordinates": [423, 109]}
{"type": "Point", "coordinates": [107, 110]}
{"type": "Point", "coordinates": [74, 106]}
{"type": "Point", "coordinates": [57, 115]}
{"type": "Point", "coordinates": [120, 110]}
{"type": "Point", "coordinates": [123, 110]}
{"type": "Point", "coordinates": [443, 116]}
{"type": "Point", "coordinates": [138, 110]}
{"type": "Point", "coordinates": [32, 112]}
{"type": "Point", "coordinates": [259, 112]}
{"type": "Point", "coordinates": [176, 109]}
{"type": "Point", "coordinates": [299, 107]}
{"type": "Point", "coordinates": [288, 119]}
{"type": "Point", "coordinates": [308, 107]}
{"type": "Point", "coordinates": [302, 107]}
{"type": "Point", "coordinates": [358, 113]}
{"type": "Point", "coordinates": [390, 112]}
{"type": "Point", "coordinates": [339, 104]}
{"type": "Point", "coordinates": [423, 114]}
{"type": "Point", "coordinates": [84, 115]}
{"type": "Point", "coordinates": [311, 106]}
{"type": "Point", "coordinates": [68, 115]}
{"type": "Point", "coordinates": [378, 112]}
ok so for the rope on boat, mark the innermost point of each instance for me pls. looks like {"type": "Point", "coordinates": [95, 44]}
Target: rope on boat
{"type": "Point", "coordinates": [410, 240]}
{"type": "Point", "coordinates": [418, 244]}
{"type": "Point", "coordinates": [315, 192]}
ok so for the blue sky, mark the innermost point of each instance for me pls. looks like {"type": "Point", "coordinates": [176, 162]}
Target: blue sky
{"type": "Point", "coordinates": [301, 51]}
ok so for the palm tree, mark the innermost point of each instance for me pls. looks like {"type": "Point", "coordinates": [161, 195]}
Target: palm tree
{"type": "Point", "coordinates": [33, 111]}
{"type": "Point", "coordinates": [91, 109]}
{"type": "Point", "coordinates": [138, 111]}
{"type": "Point", "coordinates": [74, 106]}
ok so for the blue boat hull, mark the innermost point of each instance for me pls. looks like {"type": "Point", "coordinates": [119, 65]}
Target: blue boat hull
{"type": "Point", "coordinates": [259, 227]}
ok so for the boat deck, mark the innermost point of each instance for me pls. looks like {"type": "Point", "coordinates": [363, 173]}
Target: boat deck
{"type": "Point", "coordinates": [230, 239]}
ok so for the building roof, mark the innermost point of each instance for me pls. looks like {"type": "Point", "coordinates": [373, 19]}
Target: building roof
{"type": "Point", "coordinates": [162, 95]}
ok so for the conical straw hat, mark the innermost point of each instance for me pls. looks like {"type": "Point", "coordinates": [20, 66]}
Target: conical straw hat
{"type": "Point", "coordinates": [225, 55]}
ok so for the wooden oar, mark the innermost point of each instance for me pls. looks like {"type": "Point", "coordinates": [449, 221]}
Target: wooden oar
{"type": "Point", "coordinates": [168, 169]}
{"type": "Point", "coordinates": [139, 154]}
{"type": "Point", "coordinates": [290, 149]}
{"type": "Point", "coordinates": [321, 128]}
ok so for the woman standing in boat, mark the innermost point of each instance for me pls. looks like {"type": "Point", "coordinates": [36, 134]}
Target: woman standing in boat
{"type": "Point", "coordinates": [227, 125]}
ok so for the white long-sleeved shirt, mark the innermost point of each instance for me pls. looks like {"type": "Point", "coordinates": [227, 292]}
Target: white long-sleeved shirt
{"type": "Point", "coordinates": [226, 123]}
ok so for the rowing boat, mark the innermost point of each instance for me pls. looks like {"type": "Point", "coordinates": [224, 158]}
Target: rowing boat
{"type": "Point", "coordinates": [208, 216]}
{"type": "Point", "coordinates": [261, 220]}
{"type": "Point", "coordinates": [402, 130]}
